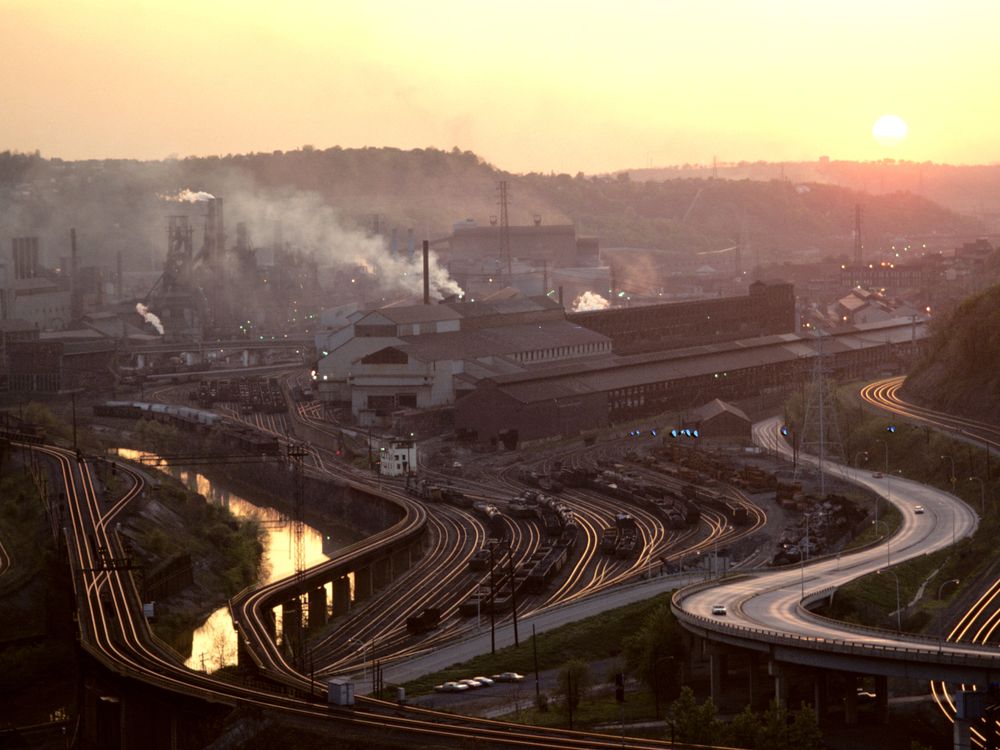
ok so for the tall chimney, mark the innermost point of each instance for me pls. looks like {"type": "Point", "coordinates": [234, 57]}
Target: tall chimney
{"type": "Point", "coordinates": [427, 272]}
{"type": "Point", "coordinates": [409, 244]}
{"type": "Point", "coordinates": [561, 296]}
{"type": "Point", "coordinates": [220, 230]}
{"type": "Point", "coordinates": [392, 245]}
{"type": "Point", "coordinates": [210, 234]}
{"type": "Point", "coordinates": [119, 281]}
{"type": "Point", "coordinates": [74, 278]}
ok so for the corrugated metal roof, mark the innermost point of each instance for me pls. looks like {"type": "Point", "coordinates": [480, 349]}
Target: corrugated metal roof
{"type": "Point", "coordinates": [485, 342]}
{"type": "Point", "coordinates": [614, 373]}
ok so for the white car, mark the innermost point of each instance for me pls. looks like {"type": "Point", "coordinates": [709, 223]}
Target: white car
{"type": "Point", "coordinates": [508, 677]}
{"type": "Point", "coordinates": [470, 683]}
{"type": "Point", "coordinates": [484, 681]}
{"type": "Point", "coordinates": [719, 610]}
{"type": "Point", "coordinates": [450, 687]}
{"type": "Point", "coordinates": [918, 509]}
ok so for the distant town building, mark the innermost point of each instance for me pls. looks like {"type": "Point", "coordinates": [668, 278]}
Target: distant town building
{"type": "Point", "coordinates": [399, 459]}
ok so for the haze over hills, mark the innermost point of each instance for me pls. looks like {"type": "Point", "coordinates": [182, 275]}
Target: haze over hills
{"type": "Point", "coordinates": [114, 204]}
{"type": "Point", "coordinates": [969, 189]}
{"type": "Point", "coordinates": [959, 373]}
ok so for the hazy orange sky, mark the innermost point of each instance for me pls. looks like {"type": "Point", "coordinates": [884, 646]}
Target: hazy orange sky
{"type": "Point", "coordinates": [530, 86]}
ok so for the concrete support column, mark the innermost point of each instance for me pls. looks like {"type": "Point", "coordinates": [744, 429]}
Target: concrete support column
{"type": "Point", "coordinates": [851, 701]}
{"type": "Point", "coordinates": [882, 699]}
{"type": "Point", "coordinates": [291, 622]}
{"type": "Point", "coordinates": [717, 674]}
{"type": "Point", "coordinates": [244, 662]}
{"type": "Point", "coordinates": [188, 358]}
{"type": "Point", "coordinates": [400, 562]}
{"type": "Point", "coordinates": [341, 596]}
{"type": "Point", "coordinates": [756, 698]}
{"type": "Point", "coordinates": [140, 361]}
{"type": "Point", "coordinates": [245, 358]}
{"type": "Point", "coordinates": [381, 573]}
{"type": "Point", "coordinates": [272, 628]}
{"type": "Point", "coordinates": [317, 608]}
{"type": "Point", "coordinates": [780, 675]}
{"type": "Point", "coordinates": [363, 584]}
{"type": "Point", "coordinates": [820, 694]}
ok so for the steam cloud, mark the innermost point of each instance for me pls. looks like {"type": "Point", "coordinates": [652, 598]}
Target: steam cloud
{"type": "Point", "coordinates": [590, 301]}
{"type": "Point", "coordinates": [311, 223]}
{"type": "Point", "coordinates": [186, 196]}
{"type": "Point", "coordinates": [149, 317]}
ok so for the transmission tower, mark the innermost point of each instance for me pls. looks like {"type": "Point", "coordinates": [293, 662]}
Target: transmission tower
{"type": "Point", "coordinates": [504, 227]}
{"type": "Point", "coordinates": [820, 433]}
{"type": "Point", "coordinates": [858, 247]}
{"type": "Point", "coordinates": [296, 454]}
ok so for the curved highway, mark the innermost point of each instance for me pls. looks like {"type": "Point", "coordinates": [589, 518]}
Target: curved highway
{"type": "Point", "coordinates": [766, 609]}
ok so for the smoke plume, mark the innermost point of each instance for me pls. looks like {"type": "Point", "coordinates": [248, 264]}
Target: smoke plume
{"type": "Point", "coordinates": [149, 317]}
{"type": "Point", "coordinates": [590, 301]}
{"type": "Point", "coordinates": [312, 224]}
{"type": "Point", "coordinates": [186, 196]}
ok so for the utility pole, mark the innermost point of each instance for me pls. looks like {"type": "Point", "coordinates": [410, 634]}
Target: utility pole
{"type": "Point", "coordinates": [504, 228]}
{"type": "Point", "coordinates": [534, 646]}
{"type": "Point", "coordinates": [513, 590]}
{"type": "Point", "coordinates": [493, 606]}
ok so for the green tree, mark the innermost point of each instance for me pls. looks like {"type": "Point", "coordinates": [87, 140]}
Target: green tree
{"type": "Point", "coordinates": [572, 684]}
{"type": "Point", "coordinates": [694, 722]}
{"type": "Point", "coordinates": [654, 653]}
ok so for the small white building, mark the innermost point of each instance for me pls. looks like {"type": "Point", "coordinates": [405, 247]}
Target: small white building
{"type": "Point", "coordinates": [399, 459]}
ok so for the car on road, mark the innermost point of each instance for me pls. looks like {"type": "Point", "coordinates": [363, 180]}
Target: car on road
{"type": "Point", "coordinates": [877, 475]}
{"type": "Point", "coordinates": [470, 683]}
{"type": "Point", "coordinates": [450, 687]}
{"type": "Point", "coordinates": [918, 509]}
{"type": "Point", "coordinates": [508, 677]}
{"type": "Point", "coordinates": [484, 681]}
{"type": "Point", "coordinates": [719, 610]}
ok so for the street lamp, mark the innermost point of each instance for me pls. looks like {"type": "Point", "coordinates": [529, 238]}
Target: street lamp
{"type": "Point", "coordinates": [982, 494]}
{"type": "Point", "coordinates": [899, 626]}
{"type": "Point", "coordinates": [888, 557]}
{"type": "Point", "coordinates": [953, 479]}
{"type": "Point", "coordinates": [888, 477]}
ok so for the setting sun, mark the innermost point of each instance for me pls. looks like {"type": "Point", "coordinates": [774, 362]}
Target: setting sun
{"type": "Point", "coordinates": [890, 130]}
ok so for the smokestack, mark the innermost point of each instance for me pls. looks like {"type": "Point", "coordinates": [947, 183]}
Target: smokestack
{"type": "Point", "coordinates": [409, 243]}
{"type": "Point", "coordinates": [561, 296]}
{"type": "Point", "coordinates": [210, 233]}
{"type": "Point", "coordinates": [119, 281]}
{"type": "Point", "coordinates": [427, 272]}
{"type": "Point", "coordinates": [220, 229]}
{"type": "Point", "coordinates": [392, 245]}
{"type": "Point", "coordinates": [74, 281]}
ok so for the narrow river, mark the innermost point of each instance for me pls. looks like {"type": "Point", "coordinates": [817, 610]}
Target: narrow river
{"type": "Point", "coordinates": [214, 642]}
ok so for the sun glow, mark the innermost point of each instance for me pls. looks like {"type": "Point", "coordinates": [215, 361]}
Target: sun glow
{"type": "Point", "coordinates": [890, 130]}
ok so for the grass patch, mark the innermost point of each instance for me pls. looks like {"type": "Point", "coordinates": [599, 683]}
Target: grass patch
{"type": "Point", "coordinates": [591, 639]}
{"type": "Point", "coordinates": [599, 709]}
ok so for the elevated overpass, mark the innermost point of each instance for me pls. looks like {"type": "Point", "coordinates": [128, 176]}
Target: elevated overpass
{"type": "Point", "coordinates": [768, 612]}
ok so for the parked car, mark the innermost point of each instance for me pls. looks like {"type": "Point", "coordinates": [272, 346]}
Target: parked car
{"type": "Point", "coordinates": [918, 509]}
{"type": "Point", "coordinates": [450, 687]}
{"type": "Point", "coordinates": [470, 683]}
{"type": "Point", "coordinates": [719, 610]}
{"type": "Point", "coordinates": [484, 681]}
{"type": "Point", "coordinates": [508, 677]}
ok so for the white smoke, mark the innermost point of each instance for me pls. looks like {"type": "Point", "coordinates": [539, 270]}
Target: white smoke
{"type": "Point", "coordinates": [186, 196]}
{"type": "Point", "coordinates": [310, 223]}
{"type": "Point", "coordinates": [149, 317]}
{"type": "Point", "coordinates": [590, 301]}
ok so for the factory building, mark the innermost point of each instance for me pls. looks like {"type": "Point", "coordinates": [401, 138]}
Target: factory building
{"type": "Point", "coordinates": [719, 419]}
{"type": "Point", "coordinates": [424, 356]}
{"type": "Point", "coordinates": [565, 400]}
{"type": "Point", "coordinates": [556, 244]}
{"type": "Point", "coordinates": [768, 308]}
{"type": "Point", "coordinates": [28, 292]}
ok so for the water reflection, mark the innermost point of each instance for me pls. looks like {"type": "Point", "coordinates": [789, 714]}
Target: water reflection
{"type": "Point", "coordinates": [214, 643]}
